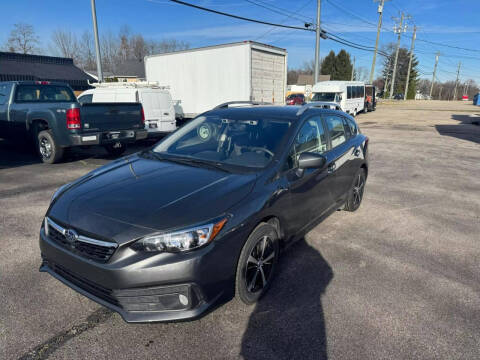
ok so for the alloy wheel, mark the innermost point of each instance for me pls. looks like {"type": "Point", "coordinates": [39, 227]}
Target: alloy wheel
{"type": "Point", "coordinates": [45, 148]}
{"type": "Point", "coordinates": [258, 269]}
{"type": "Point", "coordinates": [358, 190]}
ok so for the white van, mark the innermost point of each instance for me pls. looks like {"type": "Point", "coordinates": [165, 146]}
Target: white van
{"type": "Point", "coordinates": [350, 95]}
{"type": "Point", "coordinates": [156, 101]}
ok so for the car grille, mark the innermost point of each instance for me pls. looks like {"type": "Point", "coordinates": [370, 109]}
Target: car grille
{"type": "Point", "coordinates": [99, 251]}
{"type": "Point", "coordinates": [92, 288]}
{"type": "Point", "coordinates": [160, 298]}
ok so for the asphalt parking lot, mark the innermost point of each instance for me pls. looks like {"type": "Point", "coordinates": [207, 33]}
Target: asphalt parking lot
{"type": "Point", "coordinates": [398, 279]}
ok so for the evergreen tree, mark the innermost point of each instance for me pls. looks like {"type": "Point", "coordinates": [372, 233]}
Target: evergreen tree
{"type": "Point", "coordinates": [343, 66]}
{"type": "Point", "coordinates": [328, 65]}
{"type": "Point", "coordinates": [401, 73]}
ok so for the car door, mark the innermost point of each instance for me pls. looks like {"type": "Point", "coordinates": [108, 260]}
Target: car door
{"type": "Point", "coordinates": [309, 189]}
{"type": "Point", "coordinates": [343, 153]}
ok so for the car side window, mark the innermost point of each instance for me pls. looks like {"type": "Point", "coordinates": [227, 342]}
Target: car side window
{"type": "Point", "coordinates": [85, 99]}
{"type": "Point", "coordinates": [352, 126]}
{"type": "Point", "coordinates": [4, 92]}
{"type": "Point", "coordinates": [310, 138]}
{"type": "Point", "coordinates": [336, 130]}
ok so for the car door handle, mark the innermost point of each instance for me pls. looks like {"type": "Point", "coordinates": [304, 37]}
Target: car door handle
{"type": "Point", "coordinates": [331, 168]}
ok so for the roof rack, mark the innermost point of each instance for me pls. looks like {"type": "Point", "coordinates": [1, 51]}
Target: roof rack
{"type": "Point", "coordinates": [321, 105]}
{"type": "Point", "coordinates": [136, 84]}
{"type": "Point", "coordinates": [227, 104]}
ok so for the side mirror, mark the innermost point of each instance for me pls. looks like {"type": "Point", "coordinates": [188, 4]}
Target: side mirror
{"type": "Point", "coordinates": [308, 160]}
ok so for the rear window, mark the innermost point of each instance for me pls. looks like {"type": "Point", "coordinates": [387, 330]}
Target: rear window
{"type": "Point", "coordinates": [44, 93]}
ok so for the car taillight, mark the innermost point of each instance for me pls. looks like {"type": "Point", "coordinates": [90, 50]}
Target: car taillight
{"type": "Point", "coordinates": [143, 117]}
{"type": "Point", "coordinates": [73, 119]}
{"type": "Point", "coordinates": [42, 82]}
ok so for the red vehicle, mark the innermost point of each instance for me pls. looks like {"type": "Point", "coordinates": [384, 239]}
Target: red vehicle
{"type": "Point", "coordinates": [295, 99]}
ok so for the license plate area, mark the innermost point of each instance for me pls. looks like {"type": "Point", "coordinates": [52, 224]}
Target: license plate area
{"type": "Point", "coordinates": [153, 126]}
{"type": "Point", "coordinates": [114, 135]}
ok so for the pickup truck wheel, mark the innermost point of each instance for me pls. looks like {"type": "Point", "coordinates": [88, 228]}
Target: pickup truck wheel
{"type": "Point", "coordinates": [50, 152]}
{"type": "Point", "coordinates": [116, 149]}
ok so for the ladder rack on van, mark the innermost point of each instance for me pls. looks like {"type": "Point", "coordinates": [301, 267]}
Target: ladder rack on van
{"type": "Point", "coordinates": [136, 85]}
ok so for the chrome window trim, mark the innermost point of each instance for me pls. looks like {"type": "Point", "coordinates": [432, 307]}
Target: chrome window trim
{"type": "Point", "coordinates": [82, 238]}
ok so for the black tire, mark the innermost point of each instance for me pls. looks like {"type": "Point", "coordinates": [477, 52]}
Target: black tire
{"type": "Point", "coordinates": [48, 149]}
{"type": "Point", "coordinates": [355, 194]}
{"type": "Point", "coordinates": [116, 149]}
{"type": "Point", "coordinates": [255, 270]}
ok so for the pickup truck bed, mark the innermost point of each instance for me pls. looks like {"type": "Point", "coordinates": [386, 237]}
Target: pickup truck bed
{"type": "Point", "coordinates": [52, 117]}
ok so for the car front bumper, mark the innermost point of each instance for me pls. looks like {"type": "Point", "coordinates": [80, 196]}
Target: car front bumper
{"type": "Point", "coordinates": [160, 287]}
{"type": "Point", "coordinates": [108, 137]}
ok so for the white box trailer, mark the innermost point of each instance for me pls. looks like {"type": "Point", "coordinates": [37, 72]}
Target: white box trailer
{"type": "Point", "coordinates": [203, 78]}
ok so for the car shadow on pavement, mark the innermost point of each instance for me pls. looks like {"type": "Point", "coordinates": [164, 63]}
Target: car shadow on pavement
{"type": "Point", "coordinates": [20, 152]}
{"type": "Point", "coordinates": [467, 129]}
{"type": "Point", "coordinates": [288, 322]}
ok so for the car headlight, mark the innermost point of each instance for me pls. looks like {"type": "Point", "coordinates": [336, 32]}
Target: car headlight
{"type": "Point", "coordinates": [58, 191]}
{"type": "Point", "coordinates": [183, 240]}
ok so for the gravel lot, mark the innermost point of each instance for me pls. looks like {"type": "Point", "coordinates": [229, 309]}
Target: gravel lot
{"type": "Point", "coordinates": [398, 279]}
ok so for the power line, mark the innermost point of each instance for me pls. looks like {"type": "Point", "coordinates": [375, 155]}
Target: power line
{"type": "Point", "coordinates": [332, 37]}
{"type": "Point", "coordinates": [240, 17]}
{"type": "Point", "coordinates": [284, 20]}
{"type": "Point", "coordinates": [280, 11]}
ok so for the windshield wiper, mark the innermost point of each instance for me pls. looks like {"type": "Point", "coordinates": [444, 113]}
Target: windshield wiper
{"type": "Point", "coordinates": [187, 161]}
{"type": "Point", "coordinates": [202, 163]}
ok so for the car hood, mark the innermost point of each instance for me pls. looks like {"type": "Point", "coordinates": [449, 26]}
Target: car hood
{"type": "Point", "coordinates": [135, 196]}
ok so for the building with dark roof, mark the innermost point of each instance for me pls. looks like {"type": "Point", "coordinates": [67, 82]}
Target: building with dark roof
{"type": "Point", "coordinates": [19, 67]}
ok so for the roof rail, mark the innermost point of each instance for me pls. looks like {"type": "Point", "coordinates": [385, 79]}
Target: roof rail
{"type": "Point", "coordinates": [136, 84]}
{"type": "Point", "coordinates": [319, 104]}
{"type": "Point", "coordinates": [227, 104]}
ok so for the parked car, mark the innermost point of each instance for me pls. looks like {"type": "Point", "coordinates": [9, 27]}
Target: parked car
{"type": "Point", "coordinates": [295, 99]}
{"type": "Point", "coordinates": [49, 114]}
{"type": "Point", "coordinates": [398, 96]}
{"type": "Point", "coordinates": [156, 102]}
{"type": "Point", "coordinates": [173, 231]}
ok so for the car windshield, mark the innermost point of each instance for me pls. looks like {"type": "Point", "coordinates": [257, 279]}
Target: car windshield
{"type": "Point", "coordinates": [323, 96]}
{"type": "Point", "coordinates": [244, 142]}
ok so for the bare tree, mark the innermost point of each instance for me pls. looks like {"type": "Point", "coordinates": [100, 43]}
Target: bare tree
{"type": "Point", "coordinates": [361, 73]}
{"type": "Point", "coordinates": [66, 44]}
{"type": "Point", "coordinates": [87, 51]}
{"type": "Point", "coordinates": [22, 39]}
{"type": "Point", "coordinates": [139, 47]}
{"type": "Point", "coordinates": [110, 48]}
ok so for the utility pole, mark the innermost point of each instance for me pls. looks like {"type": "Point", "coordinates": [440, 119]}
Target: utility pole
{"type": "Point", "coordinates": [379, 28]}
{"type": "Point", "coordinates": [353, 69]}
{"type": "Point", "coordinates": [317, 40]}
{"type": "Point", "coordinates": [434, 72]}
{"type": "Point", "coordinates": [410, 62]}
{"type": "Point", "coordinates": [401, 28]}
{"type": "Point", "coordinates": [456, 82]}
{"type": "Point", "coordinates": [97, 45]}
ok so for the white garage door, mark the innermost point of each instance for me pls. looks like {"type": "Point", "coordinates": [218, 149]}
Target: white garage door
{"type": "Point", "coordinates": [268, 77]}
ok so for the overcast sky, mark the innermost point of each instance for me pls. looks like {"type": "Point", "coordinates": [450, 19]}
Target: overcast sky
{"type": "Point", "coordinates": [448, 22]}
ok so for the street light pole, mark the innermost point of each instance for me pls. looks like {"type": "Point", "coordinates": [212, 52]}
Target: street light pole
{"type": "Point", "coordinates": [410, 62]}
{"type": "Point", "coordinates": [399, 31]}
{"type": "Point", "coordinates": [379, 28]}
{"type": "Point", "coordinates": [317, 41]}
{"type": "Point", "coordinates": [97, 44]}
{"type": "Point", "coordinates": [434, 72]}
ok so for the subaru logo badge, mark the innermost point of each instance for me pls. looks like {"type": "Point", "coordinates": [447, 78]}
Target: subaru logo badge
{"type": "Point", "coordinates": [71, 236]}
